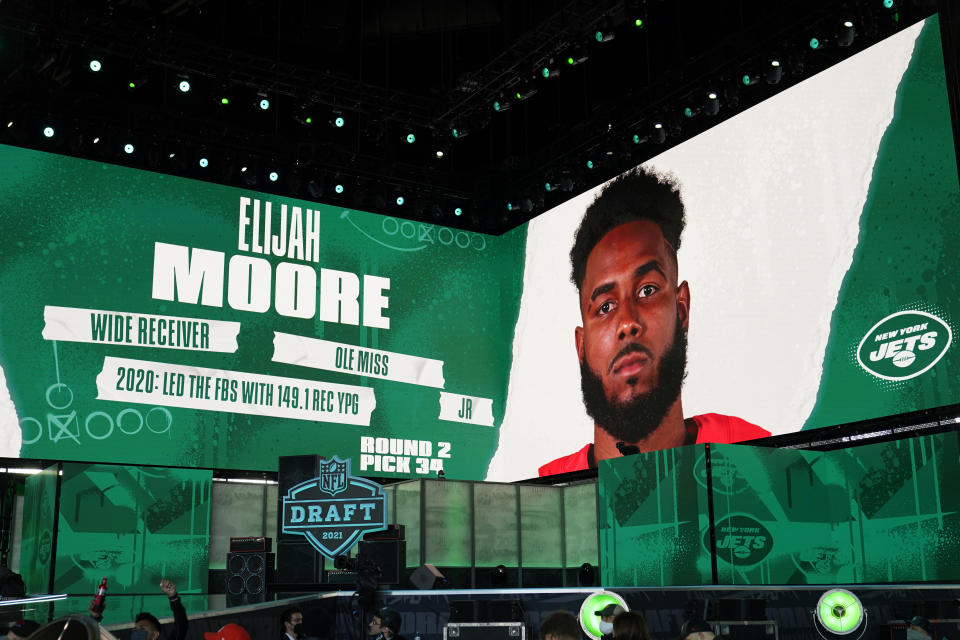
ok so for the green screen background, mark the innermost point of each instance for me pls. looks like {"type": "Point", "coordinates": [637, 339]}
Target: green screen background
{"type": "Point", "coordinates": [131, 525]}
{"type": "Point", "coordinates": [876, 513]}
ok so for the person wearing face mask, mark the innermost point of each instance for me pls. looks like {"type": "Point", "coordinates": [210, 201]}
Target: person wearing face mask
{"type": "Point", "coordinates": [292, 623]}
{"type": "Point", "coordinates": [147, 627]}
{"type": "Point", "coordinates": [918, 628]}
{"type": "Point", "coordinates": [607, 614]}
{"type": "Point", "coordinates": [385, 625]}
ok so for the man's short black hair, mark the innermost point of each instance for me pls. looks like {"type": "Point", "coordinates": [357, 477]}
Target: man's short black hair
{"type": "Point", "coordinates": [149, 617]}
{"type": "Point", "coordinates": [560, 624]}
{"type": "Point", "coordinates": [639, 194]}
{"type": "Point", "coordinates": [288, 613]}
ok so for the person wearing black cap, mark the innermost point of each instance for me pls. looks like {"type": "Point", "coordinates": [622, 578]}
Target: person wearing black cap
{"type": "Point", "coordinates": [22, 629]}
{"type": "Point", "coordinates": [918, 628]}
{"type": "Point", "coordinates": [696, 629]}
{"type": "Point", "coordinates": [607, 614]}
{"type": "Point", "coordinates": [385, 624]}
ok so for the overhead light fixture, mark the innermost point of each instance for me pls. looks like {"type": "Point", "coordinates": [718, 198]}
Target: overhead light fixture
{"type": "Point", "coordinates": [338, 122]}
{"type": "Point", "coordinates": [48, 132]}
{"type": "Point", "coordinates": [339, 188]}
{"type": "Point", "coordinates": [712, 106]}
{"type": "Point", "coordinates": [814, 43]}
{"type": "Point", "coordinates": [400, 200]}
{"type": "Point", "coordinates": [548, 71]}
{"type": "Point", "coordinates": [603, 35]}
{"type": "Point", "coordinates": [274, 176]}
{"type": "Point", "coordinates": [458, 211]}
{"type": "Point", "coordinates": [774, 72]}
{"type": "Point", "coordinates": [410, 138]}
{"type": "Point", "coordinates": [95, 65]}
{"type": "Point", "coordinates": [501, 105]}
{"type": "Point", "coordinates": [128, 148]}
{"type": "Point", "coordinates": [459, 132]}
{"type": "Point", "coordinates": [264, 104]}
{"type": "Point", "coordinates": [184, 86]}
{"type": "Point", "coordinates": [204, 163]}
{"type": "Point", "coordinates": [576, 55]}
{"type": "Point", "coordinates": [847, 34]}
{"type": "Point", "coordinates": [659, 133]}
{"type": "Point", "coordinates": [525, 91]}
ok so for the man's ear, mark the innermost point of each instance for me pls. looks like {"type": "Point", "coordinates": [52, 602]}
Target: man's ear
{"type": "Point", "coordinates": [683, 304]}
{"type": "Point", "coordinates": [578, 342]}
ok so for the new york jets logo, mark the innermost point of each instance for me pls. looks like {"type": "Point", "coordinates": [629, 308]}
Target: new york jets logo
{"type": "Point", "coordinates": [741, 540]}
{"type": "Point", "coordinates": [904, 345]}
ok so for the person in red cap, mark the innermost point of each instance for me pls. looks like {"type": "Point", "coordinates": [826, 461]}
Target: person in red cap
{"type": "Point", "coordinates": [229, 631]}
{"type": "Point", "coordinates": [696, 629]}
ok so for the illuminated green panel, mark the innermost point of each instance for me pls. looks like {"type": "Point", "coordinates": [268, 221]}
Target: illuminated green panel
{"type": "Point", "coordinates": [134, 525]}
{"type": "Point", "coordinates": [407, 512]}
{"type": "Point", "coordinates": [540, 525]}
{"type": "Point", "coordinates": [653, 508]}
{"type": "Point", "coordinates": [236, 511]}
{"type": "Point", "coordinates": [447, 539]}
{"type": "Point", "coordinates": [580, 524]}
{"type": "Point", "coordinates": [495, 525]}
{"type": "Point", "coordinates": [36, 547]}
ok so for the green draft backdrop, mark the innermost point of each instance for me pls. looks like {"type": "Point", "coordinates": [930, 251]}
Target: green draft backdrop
{"type": "Point", "coordinates": [82, 237]}
{"type": "Point", "coordinates": [876, 513]}
{"type": "Point", "coordinates": [132, 525]}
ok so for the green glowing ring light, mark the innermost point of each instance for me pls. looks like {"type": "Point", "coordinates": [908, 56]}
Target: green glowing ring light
{"type": "Point", "coordinates": [840, 612]}
{"type": "Point", "coordinates": [589, 620]}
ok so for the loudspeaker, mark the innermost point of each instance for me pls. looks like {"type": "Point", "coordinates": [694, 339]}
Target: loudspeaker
{"type": "Point", "coordinates": [293, 470]}
{"type": "Point", "coordinates": [298, 563]}
{"type": "Point", "coordinates": [427, 577]}
{"type": "Point", "coordinates": [247, 577]}
{"type": "Point", "coordinates": [389, 555]}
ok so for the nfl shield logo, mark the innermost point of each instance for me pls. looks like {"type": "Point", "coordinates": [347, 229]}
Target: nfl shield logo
{"type": "Point", "coordinates": [333, 476]}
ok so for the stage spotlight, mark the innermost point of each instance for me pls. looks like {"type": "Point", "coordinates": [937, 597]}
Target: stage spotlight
{"type": "Point", "coordinates": [814, 43]}
{"type": "Point", "coordinates": [501, 105]}
{"type": "Point", "coordinates": [128, 148]}
{"type": "Point", "coordinates": [526, 205]}
{"type": "Point", "coordinates": [338, 122]}
{"type": "Point", "coordinates": [274, 176]}
{"type": "Point", "coordinates": [184, 86]}
{"type": "Point", "coordinates": [439, 154]}
{"type": "Point", "coordinates": [339, 188]}
{"type": "Point", "coordinates": [204, 163]}
{"type": "Point", "coordinates": [549, 186]}
{"type": "Point", "coordinates": [638, 23]}
{"type": "Point", "coordinates": [264, 104]}
{"type": "Point", "coordinates": [748, 80]}
{"type": "Point", "coordinates": [458, 211]}
{"type": "Point", "coordinates": [712, 106]}
{"type": "Point", "coordinates": [590, 164]}
{"type": "Point", "coordinates": [95, 65]}
{"type": "Point", "coordinates": [314, 189]}
{"type": "Point", "coordinates": [400, 201]}
{"type": "Point", "coordinates": [566, 184]}
{"type": "Point", "coordinates": [547, 71]}
{"type": "Point", "coordinates": [689, 112]}
{"type": "Point", "coordinates": [48, 132]}
{"type": "Point", "coordinates": [524, 91]}
{"type": "Point", "coordinates": [498, 577]}
{"type": "Point", "coordinates": [888, 4]}
{"type": "Point", "coordinates": [603, 35]}
{"type": "Point", "coordinates": [659, 133]}
{"type": "Point", "coordinates": [774, 72]}
{"type": "Point", "coordinates": [410, 138]}
{"type": "Point", "coordinates": [459, 132]}
{"type": "Point", "coordinates": [577, 55]}
{"type": "Point", "coordinates": [847, 34]}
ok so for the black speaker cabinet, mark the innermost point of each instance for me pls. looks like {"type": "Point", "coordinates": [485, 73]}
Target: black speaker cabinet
{"type": "Point", "coordinates": [247, 577]}
{"type": "Point", "coordinates": [427, 576]}
{"type": "Point", "coordinates": [298, 563]}
{"type": "Point", "coordinates": [389, 555]}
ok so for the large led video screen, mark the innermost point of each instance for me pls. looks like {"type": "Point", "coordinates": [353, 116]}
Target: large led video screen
{"type": "Point", "coordinates": [150, 319]}
{"type": "Point", "coordinates": [815, 282]}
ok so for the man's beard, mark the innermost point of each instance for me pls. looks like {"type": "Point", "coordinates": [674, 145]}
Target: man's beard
{"type": "Point", "coordinates": [636, 419]}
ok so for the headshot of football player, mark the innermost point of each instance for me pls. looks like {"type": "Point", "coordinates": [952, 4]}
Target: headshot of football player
{"type": "Point", "coordinates": [635, 314]}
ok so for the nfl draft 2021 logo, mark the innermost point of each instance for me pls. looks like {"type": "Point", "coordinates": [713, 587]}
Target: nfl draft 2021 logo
{"type": "Point", "coordinates": [334, 509]}
{"type": "Point", "coordinates": [904, 345]}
